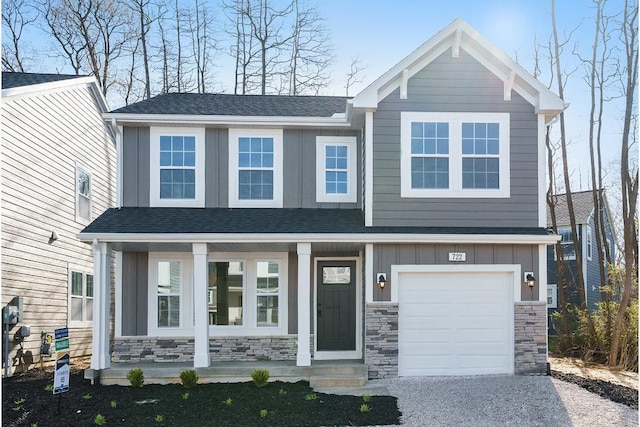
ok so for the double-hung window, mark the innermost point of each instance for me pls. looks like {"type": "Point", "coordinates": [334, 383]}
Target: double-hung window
{"type": "Point", "coordinates": [80, 297]}
{"type": "Point", "coordinates": [589, 243]}
{"type": "Point", "coordinates": [336, 169]}
{"type": "Point", "coordinates": [170, 294]}
{"type": "Point", "coordinates": [255, 168]}
{"type": "Point", "coordinates": [455, 154]}
{"type": "Point", "coordinates": [552, 296]}
{"type": "Point", "coordinates": [177, 167]}
{"type": "Point", "coordinates": [566, 242]}
{"type": "Point", "coordinates": [83, 194]}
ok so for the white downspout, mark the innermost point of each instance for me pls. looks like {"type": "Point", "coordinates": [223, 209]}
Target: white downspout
{"type": "Point", "coordinates": [118, 132]}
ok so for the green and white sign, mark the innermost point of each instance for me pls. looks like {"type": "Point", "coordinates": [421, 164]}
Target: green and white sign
{"type": "Point", "coordinates": [61, 375]}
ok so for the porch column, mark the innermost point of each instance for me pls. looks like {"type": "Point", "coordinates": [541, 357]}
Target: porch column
{"type": "Point", "coordinates": [200, 306]}
{"type": "Point", "coordinates": [304, 298]}
{"type": "Point", "coordinates": [100, 354]}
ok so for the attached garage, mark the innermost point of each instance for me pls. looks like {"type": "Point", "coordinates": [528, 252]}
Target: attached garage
{"type": "Point", "coordinates": [456, 320]}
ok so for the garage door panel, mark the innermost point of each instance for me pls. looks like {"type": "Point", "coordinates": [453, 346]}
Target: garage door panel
{"type": "Point", "coordinates": [455, 324]}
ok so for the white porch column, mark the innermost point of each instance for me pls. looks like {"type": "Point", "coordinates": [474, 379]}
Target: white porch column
{"type": "Point", "coordinates": [304, 298]}
{"type": "Point", "coordinates": [200, 306]}
{"type": "Point", "coordinates": [100, 355]}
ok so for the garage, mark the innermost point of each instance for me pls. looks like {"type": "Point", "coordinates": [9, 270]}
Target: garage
{"type": "Point", "coordinates": [455, 322]}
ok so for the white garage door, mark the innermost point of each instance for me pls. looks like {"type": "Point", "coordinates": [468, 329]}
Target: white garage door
{"type": "Point", "coordinates": [455, 323]}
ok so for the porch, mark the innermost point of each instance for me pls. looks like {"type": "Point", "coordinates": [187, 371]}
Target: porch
{"type": "Point", "coordinates": [335, 376]}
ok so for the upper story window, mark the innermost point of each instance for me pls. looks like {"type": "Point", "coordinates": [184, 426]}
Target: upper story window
{"type": "Point", "coordinates": [336, 169]}
{"type": "Point", "coordinates": [455, 154]}
{"type": "Point", "coordinates": [177, 167]}
{"type": "Point", "coordinates": [255, 168]}
{"type": "Point", "coordinates": [568, 248]}
{"type": "Point", "coordinates": [589, 243]}
{"type": "Point", "coordinates": [80, 297]}
{"type": "Point", "coordinates": [83, 194]}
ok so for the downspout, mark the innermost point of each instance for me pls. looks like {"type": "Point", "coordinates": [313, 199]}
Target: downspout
{"type": "Point", "coordinates": [118, 132]}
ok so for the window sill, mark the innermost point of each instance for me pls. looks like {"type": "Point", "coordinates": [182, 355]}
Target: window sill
{"type": "Point", "coordinates": [446, 193]}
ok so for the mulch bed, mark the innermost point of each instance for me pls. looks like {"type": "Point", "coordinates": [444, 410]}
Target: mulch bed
{"type": "Point", "coordinates": [617, 393]}
{"type": "Point", "coordinates": [25, 402]}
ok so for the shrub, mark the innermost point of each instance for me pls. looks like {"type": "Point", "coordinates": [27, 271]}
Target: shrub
{"type": "Point", "coordinates": [260, 377]}
{"type": "Point", "coordinates": [136, 377]}
{"type": "Point", "coordinates": [263, 413]}
{"type": "Point", "coordinates": [282, 392]}
{"type": "Point", "coordinates": [159, 418]}
{"type": "Point", "coordinates": [100, 420]}
{"type": "Point", "coordinates": [114, 404]}
{"type": "Point", "coordinates": [185, 396]}
{"type": "Point", "coordinates": [310, 396]}
{"type": "Point", "coordinates": [87, 397]}
{"type": "Point", "coordinates": [189, 378]}
{"type": "Point", "coordinates": [366, 398]}
{"type": "Point", "coordinates": [48, 388]}
{"type": "Point", "coordinates": [228, 402]}
{"type": "Point", "coordinates": [364, 408]}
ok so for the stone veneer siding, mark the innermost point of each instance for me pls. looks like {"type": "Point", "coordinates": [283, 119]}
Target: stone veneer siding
{"type": "Point", "coordinates": [530, 338]}
{"type": "Point", "coordinates": [221, 349]}
{"type": "Point", "coordinates": [381, 340]}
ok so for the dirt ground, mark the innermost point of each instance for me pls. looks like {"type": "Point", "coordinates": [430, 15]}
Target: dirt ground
{"type": "Point", "coordinates": [594, 371]}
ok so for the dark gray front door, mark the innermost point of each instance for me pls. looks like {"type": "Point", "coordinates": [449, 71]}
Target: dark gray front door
{"type": "Point", "coordinates": [336, 329]}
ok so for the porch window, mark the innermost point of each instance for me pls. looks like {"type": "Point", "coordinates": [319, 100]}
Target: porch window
{"type": "Point", "coordinates": [169, 278]}
{"type": "Point", "coordinates": [226, 289]}
{"type": "Point", "coordinates": [80, 298]}
{"type": "Point", "coordinates": [267, 288]}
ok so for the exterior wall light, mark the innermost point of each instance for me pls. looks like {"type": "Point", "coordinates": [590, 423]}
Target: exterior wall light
{"type": "Point", "coordinates": [382, 280]}
{"type": "Point", "coordinates": [530, 281]}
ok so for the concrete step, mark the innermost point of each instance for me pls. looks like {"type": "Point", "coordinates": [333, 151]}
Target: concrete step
{"type": "Point", "coordinates": [331, 381]}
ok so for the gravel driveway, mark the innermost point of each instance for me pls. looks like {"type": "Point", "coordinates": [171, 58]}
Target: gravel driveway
{"type": "Point", "coordinates": [503, 401]}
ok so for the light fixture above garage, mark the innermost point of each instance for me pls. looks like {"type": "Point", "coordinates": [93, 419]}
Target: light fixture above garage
{"type": "Point", "coordinates": [382, 280]}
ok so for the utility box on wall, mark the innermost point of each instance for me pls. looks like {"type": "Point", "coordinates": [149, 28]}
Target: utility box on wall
{"type": "Point", "coordinates": [12, 312]}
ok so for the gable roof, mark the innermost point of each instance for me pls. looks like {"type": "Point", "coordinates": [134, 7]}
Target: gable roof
{"type": "Point", "coordinates": [13, 80]}
{"type": "Point", "coordinates": [582, 208]}
{"type": "Point", "coordinates": [460, 35]}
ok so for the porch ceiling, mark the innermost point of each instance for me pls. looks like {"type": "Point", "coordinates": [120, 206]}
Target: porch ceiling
{"type": "Point", "coordinates": [317, 247]}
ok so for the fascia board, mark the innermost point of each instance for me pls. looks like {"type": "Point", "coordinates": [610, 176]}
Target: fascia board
{"type": "Point", "coordinates": [227, 121]}
{"type": "Point", "coordinates": [46, 87]}
{"type": "Point", "coordinates": [317, 238]}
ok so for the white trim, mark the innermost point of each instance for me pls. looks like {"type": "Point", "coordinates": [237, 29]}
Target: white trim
{"type": "Point", "coordinates": [338, 121]}
{"type": "Point", "coordinates": [100, 346]}
{"type": "Point", "coordinates": [455, 155]}
{"type": "Point", "coordinates": [336, 355]}
{"type": "Point", "coordinates": [513, 239]}
{"type": "Point", "coordinates": [352, 169]}
{"type": "Point", "coordinates": [508, 85]}
{"type": "Point", "coordinates": [154, 170]}
{"type": "Point", "coordinates": [588, 247]}
{"type": "Point", "coordinates": [249, 325]}
{"type": "Point", "coordinates": [80, 167]}
{"type": "Point", "coordinates": [84, 271]}
{"type": "Point", "coordinates": [583, 255]}
{"type": "Point", "coordinates": [368, 169]}
{"type": "Point", "coordinates": [119, 164]}
{"type": "Point", "coordinates": [404, 83]}
{"type": "Point", "coordinates": [542, 272]}
{"type": "Point", "coordinates": [303, 357]}
{"type": "Point", "coordinates": [542, 174]}
{"type": "Point", "coordinates": [42, 88]}
{"type": "Point", "coordinates": [117, 321]}
{"type": "Point", "coordinates": [368, 272]}
{"type": "Point", "coordinates": [186, 286]}
{"type": "Point", "coordinates": [278, 153]}
{"type": "Point", "coordinates": [515, 269]}
{"type": "Point", "coordinates": [201, 357]}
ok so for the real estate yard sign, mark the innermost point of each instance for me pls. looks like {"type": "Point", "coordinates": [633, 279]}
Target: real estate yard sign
{"type": "Point", "coordinates": [61, 376]}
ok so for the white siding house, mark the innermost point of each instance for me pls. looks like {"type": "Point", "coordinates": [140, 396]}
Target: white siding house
{"type": "Point", "coordinates": [58, 175]}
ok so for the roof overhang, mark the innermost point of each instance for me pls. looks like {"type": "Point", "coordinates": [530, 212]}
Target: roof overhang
{"type": "Point", "coordinates": [460, 35]}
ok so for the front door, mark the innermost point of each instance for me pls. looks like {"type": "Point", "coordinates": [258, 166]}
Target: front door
{"type": "Point", "coordinates": [336, 310]}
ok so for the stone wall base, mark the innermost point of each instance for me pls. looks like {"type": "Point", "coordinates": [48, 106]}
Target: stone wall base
{"type": "Point", "coordinates": [381, 340]}
{"type": "Point", "coordinates": [530, 344]}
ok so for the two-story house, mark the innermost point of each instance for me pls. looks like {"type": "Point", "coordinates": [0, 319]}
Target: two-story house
{"type": "Point", "coordinates": [584, 212]}
{"type": "Point", "coordinates": [58, 175]}
{"type": "Point", "coordinates": [396, 228]}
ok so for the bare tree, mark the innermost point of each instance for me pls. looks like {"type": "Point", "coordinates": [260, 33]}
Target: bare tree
{"type": "Point", "coordinates": [58, 21]}
{"type": "Point", "coordinates": [354, 75]}
{"type": "Point", "coordinates": [142, 9]}
{"type": "Point", "coordinates": [16, 16]}
{"type": "Point", "coordinates": [203, 43]}
{"type": "Point", "coordinates": [628, 170]}
{"type": "Point", "coordinates": [310, 51]}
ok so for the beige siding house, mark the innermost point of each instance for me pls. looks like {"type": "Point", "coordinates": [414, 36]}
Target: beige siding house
{"type": "Point", "coordinates": [58, 175]}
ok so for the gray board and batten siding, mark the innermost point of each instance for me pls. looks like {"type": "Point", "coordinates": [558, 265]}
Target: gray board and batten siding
{"type": "Point", "coordinates": [455, 85]}
{"type": "Point", "coordinates": [299, 163]}
{"type": "Point", "coordinates": [386, 255]}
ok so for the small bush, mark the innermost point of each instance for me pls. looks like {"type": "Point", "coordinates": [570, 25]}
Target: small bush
{"type": "Point", "coordinates": [282, 392]}
{"type": "Point", "coordinates": [114, 404]}
{"type": "Point", "coordinates": [100, 420]}
{"type": "Point", "coordinates": [364, 408]}
{"type": "Point", "coordinates": [185, 396]}
{"type": "Point", "coordinates": [228, 402]}
{"type": "Point", "coordinates": [159, 418]}
{"type": "Point", "coordinates": [136, 377]}
{"type": "Point", "coordinates": [263, 413]}
{"type": "Point", "coordinates": [310, 396]}
{"type": "Point", "coordinates": [48, 388]}
{"type": "Point", "coordinates": [189, 378]}
{"type": "Point", "coordinates": [366, 398]}
{"type": "Point", "coordinates": [87, 397]}
{"type": "Point", "coordinates": [260, 377]}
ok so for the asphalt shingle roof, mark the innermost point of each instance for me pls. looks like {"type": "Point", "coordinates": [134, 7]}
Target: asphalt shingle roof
{"type": "Point", "coordinates": [281, 220]}
{"type": "Point", "coordinates": [210, 104]}
{"type": "Point", "coordinates": [11, 80]}
{"type": "Point", "coordinates": [582, 208]}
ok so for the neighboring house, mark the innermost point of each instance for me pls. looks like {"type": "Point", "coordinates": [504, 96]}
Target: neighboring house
{"type": "Point", "coordinates": [58, 175]}
{"type": "Point", "coordinates": [584, 211]}
{"type": "Point", "coordinates": [257, 227]}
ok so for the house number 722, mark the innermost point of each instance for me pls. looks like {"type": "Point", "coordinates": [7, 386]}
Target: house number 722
{"type": "Point", "coordinates": [457, 256]}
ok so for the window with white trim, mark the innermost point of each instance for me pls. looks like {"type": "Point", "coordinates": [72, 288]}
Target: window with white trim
{"type": "Point", "coordinates": [336, 169]}
{"type": "Point", "coordinates": [568, 248]}
{"type": "Point", "coordinates": [168, 293]}
{"type": "Point", "coordinates": [83, 194]}
{"type": "Point", "coordinates": [589, 243]}
{"type": "Point", "coordinates": [255, 168]}
{"type": "Point", "coordinates": [248, 293]}
{"type": "Point", "coordinates": [552, 296]}
{"type": "Point", "coordinates": [455, 154]}
{"type": "Point", "coordinates": [80, 297]}
{"type": "Point", "coordinates": [177, 167]}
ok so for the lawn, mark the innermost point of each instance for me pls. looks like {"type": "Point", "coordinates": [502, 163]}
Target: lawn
{"type": "Point", "coordinates": [26, 400]}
